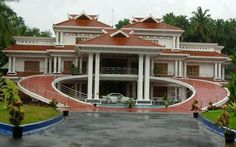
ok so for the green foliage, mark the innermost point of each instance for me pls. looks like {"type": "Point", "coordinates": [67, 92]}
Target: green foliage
{"type": "Point", "coordinates": [13, 25]}
{"type": "Point", "coordinates": [232, 87]}
{"type": "Point", "coordinates": [122, 23]}
{"type": "Point", "coordinates": [75, 70]}
{"type": "Point", "coordinates": [53, 103]}
{"type": "Point", "coordinates": [10, 93]}
{"type": "Point", "coordinates": [131, 102]}
{"type": "Point", "coordinates": [166, 101]}
{"type": "Point", "coordinates": [16, 113]}
{"type": "Point", "coordinates": [231, 107]}
{"type": "Point", "coordinates": [202, 28]}
{"type": "Point", "coordinates": [223, 119]}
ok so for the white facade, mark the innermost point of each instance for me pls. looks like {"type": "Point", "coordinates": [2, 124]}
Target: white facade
{"type": "Point", "coordinates": [179, 58]}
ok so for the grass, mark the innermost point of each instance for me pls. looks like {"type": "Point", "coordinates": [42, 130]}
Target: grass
{"type": "Point", "coordinates": [214, 114]}
{"type": "Point", "coordinates": [33, 113]}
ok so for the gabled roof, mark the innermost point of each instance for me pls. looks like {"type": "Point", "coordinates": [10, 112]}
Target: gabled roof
{"type": "Point", "coordinates": [150, 23]}
{"type": "Point", "coordinates": [194, 53]}
{"type": "Point", "coordinates": [115, 39]}
{"type": "Point", "coordinates": [82, 20]}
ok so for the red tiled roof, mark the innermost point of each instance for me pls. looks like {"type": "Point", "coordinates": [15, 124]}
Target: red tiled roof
{"type": "Point", "coordinates": [195, 53]}
{"type": "Point", "coordinates": [17, 47]}
{"type": "Point", "coordinates": [145, 25]}
{"type": "Point", "coordinates": [82, 23]}
{"type": "Point", "coordinates": [132, 40]}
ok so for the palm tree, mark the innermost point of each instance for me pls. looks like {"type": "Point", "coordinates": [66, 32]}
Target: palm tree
{"type": "Point", "coordinates": [201, 28]}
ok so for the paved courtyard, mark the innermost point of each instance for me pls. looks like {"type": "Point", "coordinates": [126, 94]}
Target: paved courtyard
{"type": "Point", "coordinates": [121, 130]}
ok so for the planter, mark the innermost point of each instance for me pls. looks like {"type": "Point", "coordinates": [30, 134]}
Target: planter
{"type": "Point", "coordinates": [229, 137]}
{"type": "Point", "coordinates": [17, 132]}
{"type": "Point", "coordinates": [195, 114]}
{"type": "Point", "coordinates": [65, 113]}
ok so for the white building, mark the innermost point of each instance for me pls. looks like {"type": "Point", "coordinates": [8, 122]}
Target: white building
{"type": "Point", "coordinates": [117, 60]}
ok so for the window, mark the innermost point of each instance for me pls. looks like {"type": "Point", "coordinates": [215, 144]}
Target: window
{"type": "Point", "coordinates": [159, 91]}
{"type": "Point", "coordinates": [31, 66]}
{"type": "Point", "coordinates": [67, 66]}
{"type": "Point", "coordinates": [161, 68]}
{"type": "Point", "coordinates": [193, 71]}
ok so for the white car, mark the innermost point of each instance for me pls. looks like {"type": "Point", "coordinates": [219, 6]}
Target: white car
{"type": "Point", "coordinates": [114, 98]}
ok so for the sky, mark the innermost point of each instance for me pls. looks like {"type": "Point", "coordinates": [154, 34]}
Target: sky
{"type": "Point", "coordinates": [44, 13]}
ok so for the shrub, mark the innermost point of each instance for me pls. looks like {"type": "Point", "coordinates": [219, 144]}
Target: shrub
{"type": "Point", "coordinates": [16, 113]}
{"type": "Point", "coordinates": [211, 107]}
{"type": "Point", "coordinates": [195, 106]}
{"type": "Point", "coordinates": [53, 103]}
{"type": "Point", "coordinates": [231, 107]}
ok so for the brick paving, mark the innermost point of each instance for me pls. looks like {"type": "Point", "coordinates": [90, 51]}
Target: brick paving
{"type": "Point", "coordinates": [205, 92]}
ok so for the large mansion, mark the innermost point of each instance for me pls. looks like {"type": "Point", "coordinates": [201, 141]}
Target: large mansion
{"type": "Point", "coordinates": [126, 61]}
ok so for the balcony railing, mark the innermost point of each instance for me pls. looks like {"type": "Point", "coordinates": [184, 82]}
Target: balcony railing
{"type": "Point", "coordinates": [118, 70]}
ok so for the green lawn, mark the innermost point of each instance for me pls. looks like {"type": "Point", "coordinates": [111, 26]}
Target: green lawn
{"type": "Point", "coordinates": [214, 114]}
{"type": "Point", "coordinates": [32, 113]}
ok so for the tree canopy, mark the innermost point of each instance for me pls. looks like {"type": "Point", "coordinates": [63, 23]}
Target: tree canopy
{"type": "Point", "coordinates": [122, 23]}
{"type": "Point", "coordinates": [13, 25]}
{"type": "Point", "coordinates": [202, 28]}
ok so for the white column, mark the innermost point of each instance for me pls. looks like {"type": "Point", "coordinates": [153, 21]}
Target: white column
{"type": "Point", "coordinates": [55, 65]}
{"type": "Point", "coordinates": [185, 69]}
{"type": "Point", "coordinates": [140, 78]}
{"type": "Point", "coordinates": [80, 65]}
{"type": "Point", "coordinates": [177, 42]}
{"type": "Point", "coordinates": [215, 72]}
{"type": "Point", "coordinates": [57, 38]}
{"type": "Point", "coordinates": [90, 76]}
{"type": "Point", "coordinates": [173, 42]}
{"type": "Point", "coordinates": [14, 65]}
{"type": "Point", "coordinates": [147, 78]}
{"type": "Point", "coordinates": [76, 62]}
{"type": "Point", "coordinates": [152, 67]}
{"type": "Point", "coordinates": [180, 68]}
{"type": "Point", "coordinates": [9, 64]}
{"type": "Point", "coordinates": [223, 72]}
{"type": "Point", "coordinates": [61, 38]}
{"type": "Point", "coordinates": [151, 91]}
{"type": "Point", "coordinates": [59, 65]}
{"type": "Point", "coordinates": [50, 65]}
{"type": "Point", "coordinates": [176, 93]}
{"type": "Point", "coordinates": [176, 68]}
{"type": "Point", "coordinates": [96, 81]}
{"type": "Point", "coordinates": [219, 72]}
{"type": "Point", "coordinates": [46, 65]}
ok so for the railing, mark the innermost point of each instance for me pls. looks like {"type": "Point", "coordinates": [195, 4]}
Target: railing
{"type": "Point", "coordinates": [45, 93]}
{"type": "Point", "coordinates": [71, 92]}
{"type": "Point", "coordinates": [198, 46]}
{"type": "Point", "coordinates": [118, 70]}
{"type": "Point", "coordinates": [185, 75]}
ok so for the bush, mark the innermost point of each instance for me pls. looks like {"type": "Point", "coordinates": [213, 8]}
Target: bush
{"type": "Point", "coordinates": [16, 113]}
{"type": "Point", "coordinates": [231, 107]}
{"type": "Point", "coordinates": [53, 104]}
{"type": "Point", "coordinates": [211, 107]}
{"type": "Point", "coordinates": [195, 106]}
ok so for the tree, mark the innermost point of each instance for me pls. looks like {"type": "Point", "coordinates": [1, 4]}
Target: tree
{"type": "Point", "coordinates": [201, 25]}
{"type": "Point", "coordinates": [13, 25]}
{"type": "Point", "coordinates": [10, 92]}
{"type": "Point", "coordinates": [122, 23]}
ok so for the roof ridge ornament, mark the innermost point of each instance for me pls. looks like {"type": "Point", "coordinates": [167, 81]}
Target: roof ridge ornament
{"type": "Point", "coordinates": [119, 32]}
{"type": "Point", "coordinates": [83, 14]}
{"type": "Point", "coordinates": [148, 18]}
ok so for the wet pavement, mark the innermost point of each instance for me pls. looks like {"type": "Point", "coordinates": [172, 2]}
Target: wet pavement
{"type": "Point", "coordinates": [105, 129]}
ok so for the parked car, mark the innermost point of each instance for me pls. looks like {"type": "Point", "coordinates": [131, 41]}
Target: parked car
{"type": "Point", "coordinates": [114, 98]}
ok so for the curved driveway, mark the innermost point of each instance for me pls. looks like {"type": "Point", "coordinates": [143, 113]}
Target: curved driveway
{"type": "Point", "coordinates": [205, 92]}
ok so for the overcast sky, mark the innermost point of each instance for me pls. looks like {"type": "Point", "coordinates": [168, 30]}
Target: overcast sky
{"type": "Point", "coordinates": [44, 13]}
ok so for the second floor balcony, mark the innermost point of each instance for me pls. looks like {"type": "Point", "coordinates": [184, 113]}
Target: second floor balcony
{"type": "Point", "coordinates": [118, 70]}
